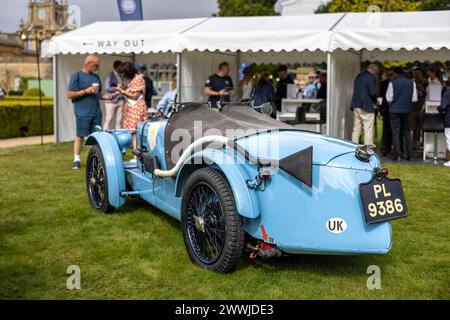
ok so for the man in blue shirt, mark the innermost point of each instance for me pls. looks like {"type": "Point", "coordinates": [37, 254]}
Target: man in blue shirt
{"type": "Point", "coordinates": [311, 87]}
{"type": "Point", "coordinates": [84, 90]}
{"type": "Point", "coordinates": [219, 85]}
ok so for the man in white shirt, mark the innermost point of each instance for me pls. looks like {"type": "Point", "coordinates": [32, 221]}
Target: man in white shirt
{"type": "Point", "coordinates": [400, 95]}
{"type": "Point", "coordinates": [165, 105]}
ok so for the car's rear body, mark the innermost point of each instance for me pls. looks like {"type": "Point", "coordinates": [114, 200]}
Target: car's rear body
{"type": "Point", "coordinates": [300, 219]}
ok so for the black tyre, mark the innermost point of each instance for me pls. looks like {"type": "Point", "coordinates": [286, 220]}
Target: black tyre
{"type": "Point", "coordinates": [212, 228]}
{"type": "Point", "coordinates": [97, 181]}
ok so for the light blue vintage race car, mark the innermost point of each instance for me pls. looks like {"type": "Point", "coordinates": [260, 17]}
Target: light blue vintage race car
{"type": "Point", "coordinates": [239, 180]}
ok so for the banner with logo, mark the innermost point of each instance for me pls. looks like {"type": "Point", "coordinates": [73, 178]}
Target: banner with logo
{"type": "Point", "coordinates": [130, 9]}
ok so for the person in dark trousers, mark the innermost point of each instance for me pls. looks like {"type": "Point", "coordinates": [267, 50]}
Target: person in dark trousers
{"type": "Point", "coordinates": [416, 117]}
{"type": "Point", "coordinates": [219, 86]}
{"type": "Point", "coordinates": [363, 104]}
{"type": "Point", "coordinates": [445, 109]}
{"type": "Point", "coordinates": [281, 91]}
{"type": "Point", "coordinates": [322, 92]}
{"type": "Point", "coordinates": [150, 90]}
{"type": "Point", "coordinates": [386, 139]}
{"type": "Point", "coordinates": [401, 94]}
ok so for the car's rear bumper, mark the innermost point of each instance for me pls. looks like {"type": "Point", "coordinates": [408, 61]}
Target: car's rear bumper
{"type": "Point", "coordinates": [298, 249]}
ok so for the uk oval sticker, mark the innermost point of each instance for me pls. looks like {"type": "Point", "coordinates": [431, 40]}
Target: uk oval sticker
{"type": "Point", "coordinates": [336, 225]}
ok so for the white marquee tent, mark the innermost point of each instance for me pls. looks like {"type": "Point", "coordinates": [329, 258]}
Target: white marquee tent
{"type": "Point", "coordinates": [198, 45]}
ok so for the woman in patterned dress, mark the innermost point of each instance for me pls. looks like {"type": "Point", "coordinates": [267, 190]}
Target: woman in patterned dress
{"type": "Point", "coordinates": [135, 109]}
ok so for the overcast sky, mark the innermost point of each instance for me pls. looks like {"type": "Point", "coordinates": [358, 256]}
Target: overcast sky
{"type": "Point", "coordinates": [100, 10]}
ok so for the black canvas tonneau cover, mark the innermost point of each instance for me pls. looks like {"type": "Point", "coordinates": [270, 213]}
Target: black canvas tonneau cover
{"type": "Point", "coordinates": [198, 120]}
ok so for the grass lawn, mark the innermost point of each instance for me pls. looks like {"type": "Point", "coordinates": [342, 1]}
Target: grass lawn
{"type": "Point", "coordinates": [46, 224]}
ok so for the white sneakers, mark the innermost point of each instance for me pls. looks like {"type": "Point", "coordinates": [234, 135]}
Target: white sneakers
{"type": "Point", "coordinates": [447, 164]}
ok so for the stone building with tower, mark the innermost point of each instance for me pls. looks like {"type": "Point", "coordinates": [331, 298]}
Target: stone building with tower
{"type": "Point", "coordinates": [46, 18]}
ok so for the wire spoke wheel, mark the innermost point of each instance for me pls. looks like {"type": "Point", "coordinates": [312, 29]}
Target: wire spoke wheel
{"type": "Point", "coordinates": [212, 228]}
{"type": "Point", "coordinates": [205, 223]}
{"type": "Point", "coordinates": [96, 181]}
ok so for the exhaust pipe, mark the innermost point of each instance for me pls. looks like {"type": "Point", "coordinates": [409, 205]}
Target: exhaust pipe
{"type": "Point", "coordinates": [264, 251]}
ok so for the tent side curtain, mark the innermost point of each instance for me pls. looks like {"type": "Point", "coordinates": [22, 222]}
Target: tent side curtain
{"type": "Point", "coordinates": [344, 67]}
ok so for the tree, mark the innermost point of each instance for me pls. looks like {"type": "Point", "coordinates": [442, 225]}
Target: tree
{"type": "Point", "coordinates": [431, 5]}
{"type": "Point", "coordinates": [323, 8]}
{"type": "Point", "coordinates": [363, 5]}
{"type": "Point", "coordinates": [235, 8]}
{"type": "Point", "coordinates": [385, 5]}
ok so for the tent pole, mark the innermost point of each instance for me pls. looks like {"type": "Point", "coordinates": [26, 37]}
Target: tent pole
{"type": "Point", "coordinates": [55, 99]}
{"type": "Point", "coordinates": [238, 67]}
{"type": "Point", "coordinates": [329, 98]}
{"type": "Point", "coordinates": [179, 80]}
{"type": "Point", "coordinates": [38, 64]}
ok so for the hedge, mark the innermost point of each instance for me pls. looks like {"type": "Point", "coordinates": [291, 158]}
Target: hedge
{"type": "Point", "coordinates": [22, 118]}
{"type": "Point", "coordinates": [33, 92]}
{"type": "Point", "coordinates": [15, 93]}
{"type": "Point", "coordinates": [22, 98]}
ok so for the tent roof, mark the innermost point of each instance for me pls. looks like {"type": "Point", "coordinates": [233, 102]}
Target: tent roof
{"type": "Point", "coordinates": [323, 32]}
{"type": "Point", "coordinates": [273, 33]}
{"type": "Point", "coordinates": [269, 33]}
{"type": "Point", "coordinates": [123, 37]}
{"type": "Point", "coordinates": [393, 30]}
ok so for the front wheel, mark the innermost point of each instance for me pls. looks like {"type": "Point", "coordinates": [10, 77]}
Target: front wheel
{"type": "Point", "coordinates": [97, 181]}
{"type": "Point", "coordinates": [212, 228]}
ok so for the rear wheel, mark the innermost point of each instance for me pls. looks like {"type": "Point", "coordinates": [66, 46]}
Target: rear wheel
{"type": "Point", "coordinates": [212, 228]}
{"type": "Point", "coordinates": [97, 181]}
